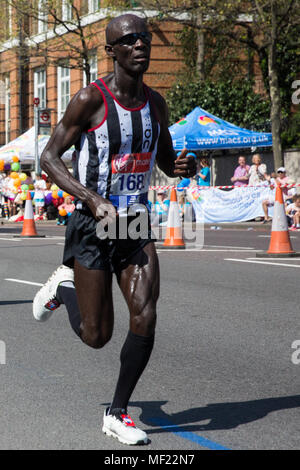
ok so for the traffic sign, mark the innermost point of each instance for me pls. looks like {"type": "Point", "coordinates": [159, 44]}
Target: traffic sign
{"type": "Point", "coordinates": [44, 117]}
{"type": "Point", "coordinates": [36, 101]}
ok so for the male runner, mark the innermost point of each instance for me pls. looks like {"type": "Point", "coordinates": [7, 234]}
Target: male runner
{"type": "Point", "coordinates": [119, 126]}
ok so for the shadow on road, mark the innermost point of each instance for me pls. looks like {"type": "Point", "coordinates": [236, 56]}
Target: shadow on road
{"type": "Point", "coordinates": [220, 415]}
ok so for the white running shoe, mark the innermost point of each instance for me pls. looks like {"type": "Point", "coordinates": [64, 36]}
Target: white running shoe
{"type": "Point", "coordinates": [121, 427]}
{"type": "Point", "coordinates": [45, 301]}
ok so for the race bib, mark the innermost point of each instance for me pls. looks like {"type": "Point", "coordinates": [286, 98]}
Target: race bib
{"type": "Point", "coordinates": [130, 173]}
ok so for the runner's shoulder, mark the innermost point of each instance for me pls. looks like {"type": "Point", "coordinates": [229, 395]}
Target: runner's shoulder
{"type": "Point", "coordinates": [89, 96]}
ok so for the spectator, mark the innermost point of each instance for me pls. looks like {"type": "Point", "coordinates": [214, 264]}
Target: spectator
{"type": "Point", "coordinates": [65, 210]}
{"type": "Point", "coordinates": [185, 209]}
{"type": "Point", "coordinates": [203, 177]}
{"type": "Point", "coordinates": [293, 212]}
{"type": "Point", "coordinates": [39, 196]}
{"type": "Point", "coordinates": [281, 179]}
{"type": "Point", "coordinates": [2, 198]}
{"type": "Point", "coordinates": [29, 179]}
{"type": "Point", "coordinates": [10, 194]}
{"type": "Point", "coordinates": [160, 208]}
{"type": "Point", "coordinates": [241, 173]}
{"type": "Point", "coordinates": [258, 171]}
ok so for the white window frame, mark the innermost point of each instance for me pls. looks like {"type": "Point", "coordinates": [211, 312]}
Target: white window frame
{"type": "Point", "coordinates": [9, 20]}
{"type": "Point", "coordinates": [66, 10]}
{"type": "Point", "coordinates": [94, 5]}
{"type": "Point", "coordinates": [93, 60]}
{"type": "Point", "coordinates": [43, 16]}
{"type": "Point", "coordinates": [63, 97]}
{"type": "Point", "coordinates": [7, 108]}
{"type": "Point", "coordinates": [40, 86]}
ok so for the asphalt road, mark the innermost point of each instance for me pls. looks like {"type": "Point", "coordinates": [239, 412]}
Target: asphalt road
{"type": "Point", "coordinates": [221, 374]}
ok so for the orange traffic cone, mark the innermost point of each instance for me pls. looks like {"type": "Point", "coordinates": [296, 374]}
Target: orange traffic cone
{"type": "Point", "coordinates": [29, 229]}
{"type": "Point", "coordinates": [174, 228]}
{"type": "Point", "coordinates": [280, 243]}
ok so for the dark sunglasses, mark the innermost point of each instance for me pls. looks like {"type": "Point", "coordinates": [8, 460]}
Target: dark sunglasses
{"type": "Point", "coordinates": [280, 171]}
{"type": "Point", "coordinates": [131, 39]}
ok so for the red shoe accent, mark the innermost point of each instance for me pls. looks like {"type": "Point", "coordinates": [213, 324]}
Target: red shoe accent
{"type": "Point", "coordinates": [127, 420]}
{"type": "Point", "coordinates": [52, 304]}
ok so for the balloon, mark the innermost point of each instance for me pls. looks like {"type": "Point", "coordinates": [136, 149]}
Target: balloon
{"type": "Point", "coordinates": [54, 195]}
{"type": "Point", "coordinates": [7, 166]}
{"type": "Point", "coordinates": [15, 158]}
{"type": "Point", "coordinates": [48, 198]}
{"type": "Point", "coordinates": [23, 176]}
{"type": "Point", "coordinates": [63, 212]}
{"type": "Point", "coordinates": [54, 187]}
{"type": "Point", "coordinates": [31, 186]}
{"type": "Point", "coordinates": [2, 165]}
{"type": "Point", "coordinates": [24, 187]}
{"type": "Point", "coordinates": [14, 175]}
{"type": "Point", "coordinates": [32, 194]}
{"type": "Point", "coordinates": [17, 182]}
{"type": "Point", "coordinates": [60, 193]}
{"type": "Point", "coordinates": [15, 166]}
{"type": "Point", "coordinates": [65, 195]}
{"type": "Point", "coordinates": [23, 196]}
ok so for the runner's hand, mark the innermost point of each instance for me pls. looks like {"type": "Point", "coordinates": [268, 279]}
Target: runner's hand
{"type": "Point", "coordinates": [185, 165]}
{"type": "Point", "coordinates": [102, 210]}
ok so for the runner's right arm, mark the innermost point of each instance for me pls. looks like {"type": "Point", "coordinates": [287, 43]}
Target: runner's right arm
{"type": "Point", "coordinates": [85, 110]}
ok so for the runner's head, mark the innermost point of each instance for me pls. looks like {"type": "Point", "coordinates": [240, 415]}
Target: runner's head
{"type": "Point", "coordinates": [128, 42]}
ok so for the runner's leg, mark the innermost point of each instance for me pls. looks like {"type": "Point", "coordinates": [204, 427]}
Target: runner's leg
{"type": "Point", "coordinates": [92, 297]}
{"type": "Point", "coordinates": [139, 283]}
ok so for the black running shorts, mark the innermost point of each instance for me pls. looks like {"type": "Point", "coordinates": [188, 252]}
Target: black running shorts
{"type": "Point", "coordinates": [83, 244]}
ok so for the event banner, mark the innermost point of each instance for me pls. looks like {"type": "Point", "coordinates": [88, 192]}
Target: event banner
{"type": "Point", "coordinates": [237, 205]}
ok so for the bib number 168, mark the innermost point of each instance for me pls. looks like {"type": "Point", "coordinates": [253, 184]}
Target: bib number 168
{"type": "Point", "coordinates": [132, 182]}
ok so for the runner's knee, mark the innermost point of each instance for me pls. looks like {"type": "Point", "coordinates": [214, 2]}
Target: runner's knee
{"type": "Point", "coordinates": [94, 338]}
{"type": "Point", "coordinates": [144, 322]}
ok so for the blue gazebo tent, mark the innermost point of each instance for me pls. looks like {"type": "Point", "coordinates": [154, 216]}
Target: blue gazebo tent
{"type": "Point", "coordinates": [200, 130]}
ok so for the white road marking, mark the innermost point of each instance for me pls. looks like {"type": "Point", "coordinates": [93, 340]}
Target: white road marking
{"type": "Point", "coordinates": [277, 259]}
{"type": "Point", "coordinates": [228, 246]}
{"type": "Point", "coordinates": [262, 262]}
{"type": "Point", "coordinates": [24, 282]}
{"type": "Point", "coordinates": [161, 250]}
{"type": "Point", "coordinates": [269, 236]}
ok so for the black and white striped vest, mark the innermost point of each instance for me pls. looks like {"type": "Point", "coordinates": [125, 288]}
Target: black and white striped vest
{"type": "Point", "coordinates": [115, 158]}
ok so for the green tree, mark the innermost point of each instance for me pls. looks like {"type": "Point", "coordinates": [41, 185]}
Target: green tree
{"type": "Point", "coordinates": [232, 100]}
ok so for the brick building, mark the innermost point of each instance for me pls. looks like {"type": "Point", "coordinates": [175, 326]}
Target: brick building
{"type": "Point", "coordinates": [36, 62]}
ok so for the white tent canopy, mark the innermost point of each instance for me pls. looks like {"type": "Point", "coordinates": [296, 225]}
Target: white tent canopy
{"type": "Point", "coordinates": [24, 148]}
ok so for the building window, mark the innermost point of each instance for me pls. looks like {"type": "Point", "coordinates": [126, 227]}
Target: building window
{"type": "Point", "coordinates": [40, 87]}
{"type": "Point", "coordinates": [94, 6]}
{"type": "Point", "coordinates": [66, 10]}
{"type": "Point", "coordinates": [63, 90]}
{"type": "Point", "coordinates": [93, 61]}
{"type": "Point", "coordinates": [7, 109]}
{"type": "Point", "coordinates": [42, 16]}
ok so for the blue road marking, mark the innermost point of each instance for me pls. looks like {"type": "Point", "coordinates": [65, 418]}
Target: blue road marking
{"type": "Point", "coordinates": [190, 436]}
